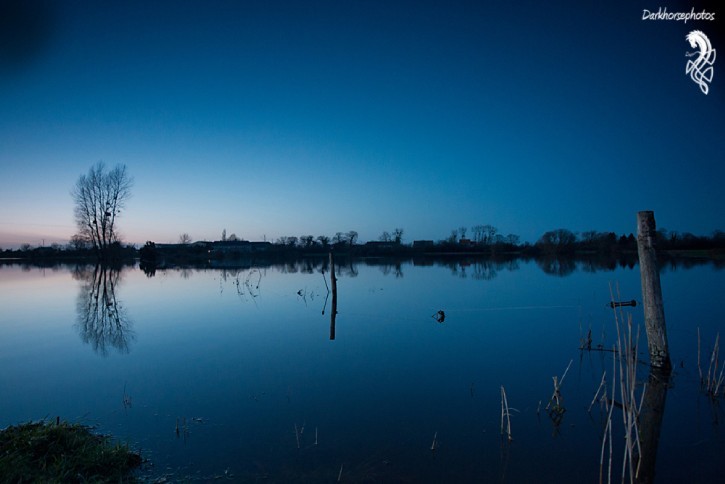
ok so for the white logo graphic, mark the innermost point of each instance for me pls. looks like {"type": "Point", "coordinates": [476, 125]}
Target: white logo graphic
{"type": "Point", "coordinates": [701, 69]}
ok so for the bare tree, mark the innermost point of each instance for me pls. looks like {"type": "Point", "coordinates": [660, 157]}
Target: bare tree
{"type": "Point", "coordinates": [224, 235]}
{"type": "Point", "coordinates": [453, 237]}
{"type": "Point", "coordinates": [307, 240]}
{"type": "Point", "coordinates": [385, 236]}
{"type": "Point", "coordinates": [99, 197]}
{"type": "Point", "coordinates": [558, 240]}
{"type": "Point", "coordinates": [352, 237]}
{"type": "Point", "coordinates": [339, 237]}
{"type": "Point", "coordinates": [489, 232]}
{"type": "Point", "coordinates": [462, 231]}
{"type": "Point", "coordinates": [185, 239]}
{"type": "Point", "coordinates": [398, 235]}
{"type": "Point", "coordinates": [513, 239]}
{"type": "Point", "coordinates": [79, 242]}
{"type": "Point", "coordinates": [478, 231]}
{"type": "Point", "coordinates": [324, 240]}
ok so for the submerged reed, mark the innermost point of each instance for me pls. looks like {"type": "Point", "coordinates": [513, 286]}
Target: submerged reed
{"type": "Point", "coordinates": [624, 372]}
{"type": "Point", "coordinates": [555, 408]}
{"type": "Point", "coordinates": [712, 382]}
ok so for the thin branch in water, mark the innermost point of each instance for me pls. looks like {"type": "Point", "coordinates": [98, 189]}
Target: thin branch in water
{"type": "Point", "coordinates": [699, 368]}
{"type": "Point", "coordinates": [602, 385]}
{"type": "Point", "coordinates": [325, 279]}
{"type": "Point", "coordinates": [505, 415]}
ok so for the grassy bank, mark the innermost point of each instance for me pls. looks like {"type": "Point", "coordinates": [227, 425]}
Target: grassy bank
{"type": "Point", "coordinates": [62, 452]}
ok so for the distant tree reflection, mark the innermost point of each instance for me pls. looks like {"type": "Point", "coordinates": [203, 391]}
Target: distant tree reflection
{"type": "Point", "coordinates": [387, 267]}
{"type": "Point", "coordinates": [557, 266]}
{"type": "Point", "coordinates": [101, 318]}
{"type": "Point", "coordinates": [485, 270]}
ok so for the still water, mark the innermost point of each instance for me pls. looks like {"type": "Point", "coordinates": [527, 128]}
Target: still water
{"type": "Point", "coordinates": [231, 373]}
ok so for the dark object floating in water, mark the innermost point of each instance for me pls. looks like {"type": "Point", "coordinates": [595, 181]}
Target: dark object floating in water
{"type": "Point", "coordinates": [440, 316]}
{"type": "Point", "coordinates": [618, 304]}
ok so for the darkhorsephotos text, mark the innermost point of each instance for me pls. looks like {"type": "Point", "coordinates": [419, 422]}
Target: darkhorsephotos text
{"type": "Point", "coordinates": [663, 14]}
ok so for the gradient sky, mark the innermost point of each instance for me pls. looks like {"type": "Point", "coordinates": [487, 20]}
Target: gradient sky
{"type": "Point", "coordinates": [273, 118]}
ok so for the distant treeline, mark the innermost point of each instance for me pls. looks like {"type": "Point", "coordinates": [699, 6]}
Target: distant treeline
{"type": "Point", "coordinates": [484, 241]}
{"type": "Point", "coordinates": [71, 251]}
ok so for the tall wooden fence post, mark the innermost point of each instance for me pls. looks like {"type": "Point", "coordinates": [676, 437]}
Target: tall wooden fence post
{"type": "Point", "coordinates": [654, 311]}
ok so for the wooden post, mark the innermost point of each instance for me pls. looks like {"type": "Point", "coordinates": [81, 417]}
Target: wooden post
{"type": "Point", "coordinates": [333, 281]}
{"type": "Point", "coordinates": [654, 311]}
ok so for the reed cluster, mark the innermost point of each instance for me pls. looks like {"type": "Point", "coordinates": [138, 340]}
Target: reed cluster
{"type": "Point", "coordinates": [623, 386]}
{"type": "Point", "coordinates": [711, 382]}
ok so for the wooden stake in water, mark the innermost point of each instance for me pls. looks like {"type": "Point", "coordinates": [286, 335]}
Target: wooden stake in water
{"type": "Point", "coordinates": [654, 311]}
{"type": "Point", "coordinates": [699, 368]}
{"type": "Point", "coordinates": [333, 282]}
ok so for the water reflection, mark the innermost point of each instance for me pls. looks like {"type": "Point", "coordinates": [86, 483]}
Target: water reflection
{"type": "Point", "coordinates": [333, 283]}
{"type": "Point", "coordinates": [650, 424]}
{"type": "Point", "coordinates": [482, 269]}
{"type": "Point", "coordinates": [556, 266]}
{"type": "Point", "coordinates": [478, 267]}
{"type": "Point", "coordinates": [101, 318]}
{"type": "Point", "coordinates": [400, 373]}
{"type": "Point", "coordinates": [395, 268]}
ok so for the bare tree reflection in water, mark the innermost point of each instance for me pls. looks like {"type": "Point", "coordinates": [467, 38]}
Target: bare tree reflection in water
{"type": "Point", "coordinates": [387, 268]}
{"type": "Point", "coordinates": [486, 270]}
{"type": "Point", "coordinates": [557, 266]}
{"type": "Point", "coordinates": [101, 318]}
{"type": "Point", "coordinates": [308, 266]}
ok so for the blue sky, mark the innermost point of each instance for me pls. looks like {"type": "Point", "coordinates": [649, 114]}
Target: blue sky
{"type": "Point", "coordinates": [271, 118]}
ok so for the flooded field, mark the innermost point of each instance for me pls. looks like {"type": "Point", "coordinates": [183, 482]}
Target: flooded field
{"type": "Point", "coordinates": [241, 372]}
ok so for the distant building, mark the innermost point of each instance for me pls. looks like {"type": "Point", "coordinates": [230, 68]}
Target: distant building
{"type": "Point", "coordinates": [375, 247]}
{"type": "Point", "coordinates": [260, 246]}
{"type": "Point", "coordinates": [230, 246]}
{"type": "Point", "coordinates": [374, 244]}
{"type": "Point", "coordinates": [423, 244]}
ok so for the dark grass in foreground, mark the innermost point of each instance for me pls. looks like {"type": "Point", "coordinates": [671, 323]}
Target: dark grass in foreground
{"type": "Point", "coordinates": [62, 452]}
